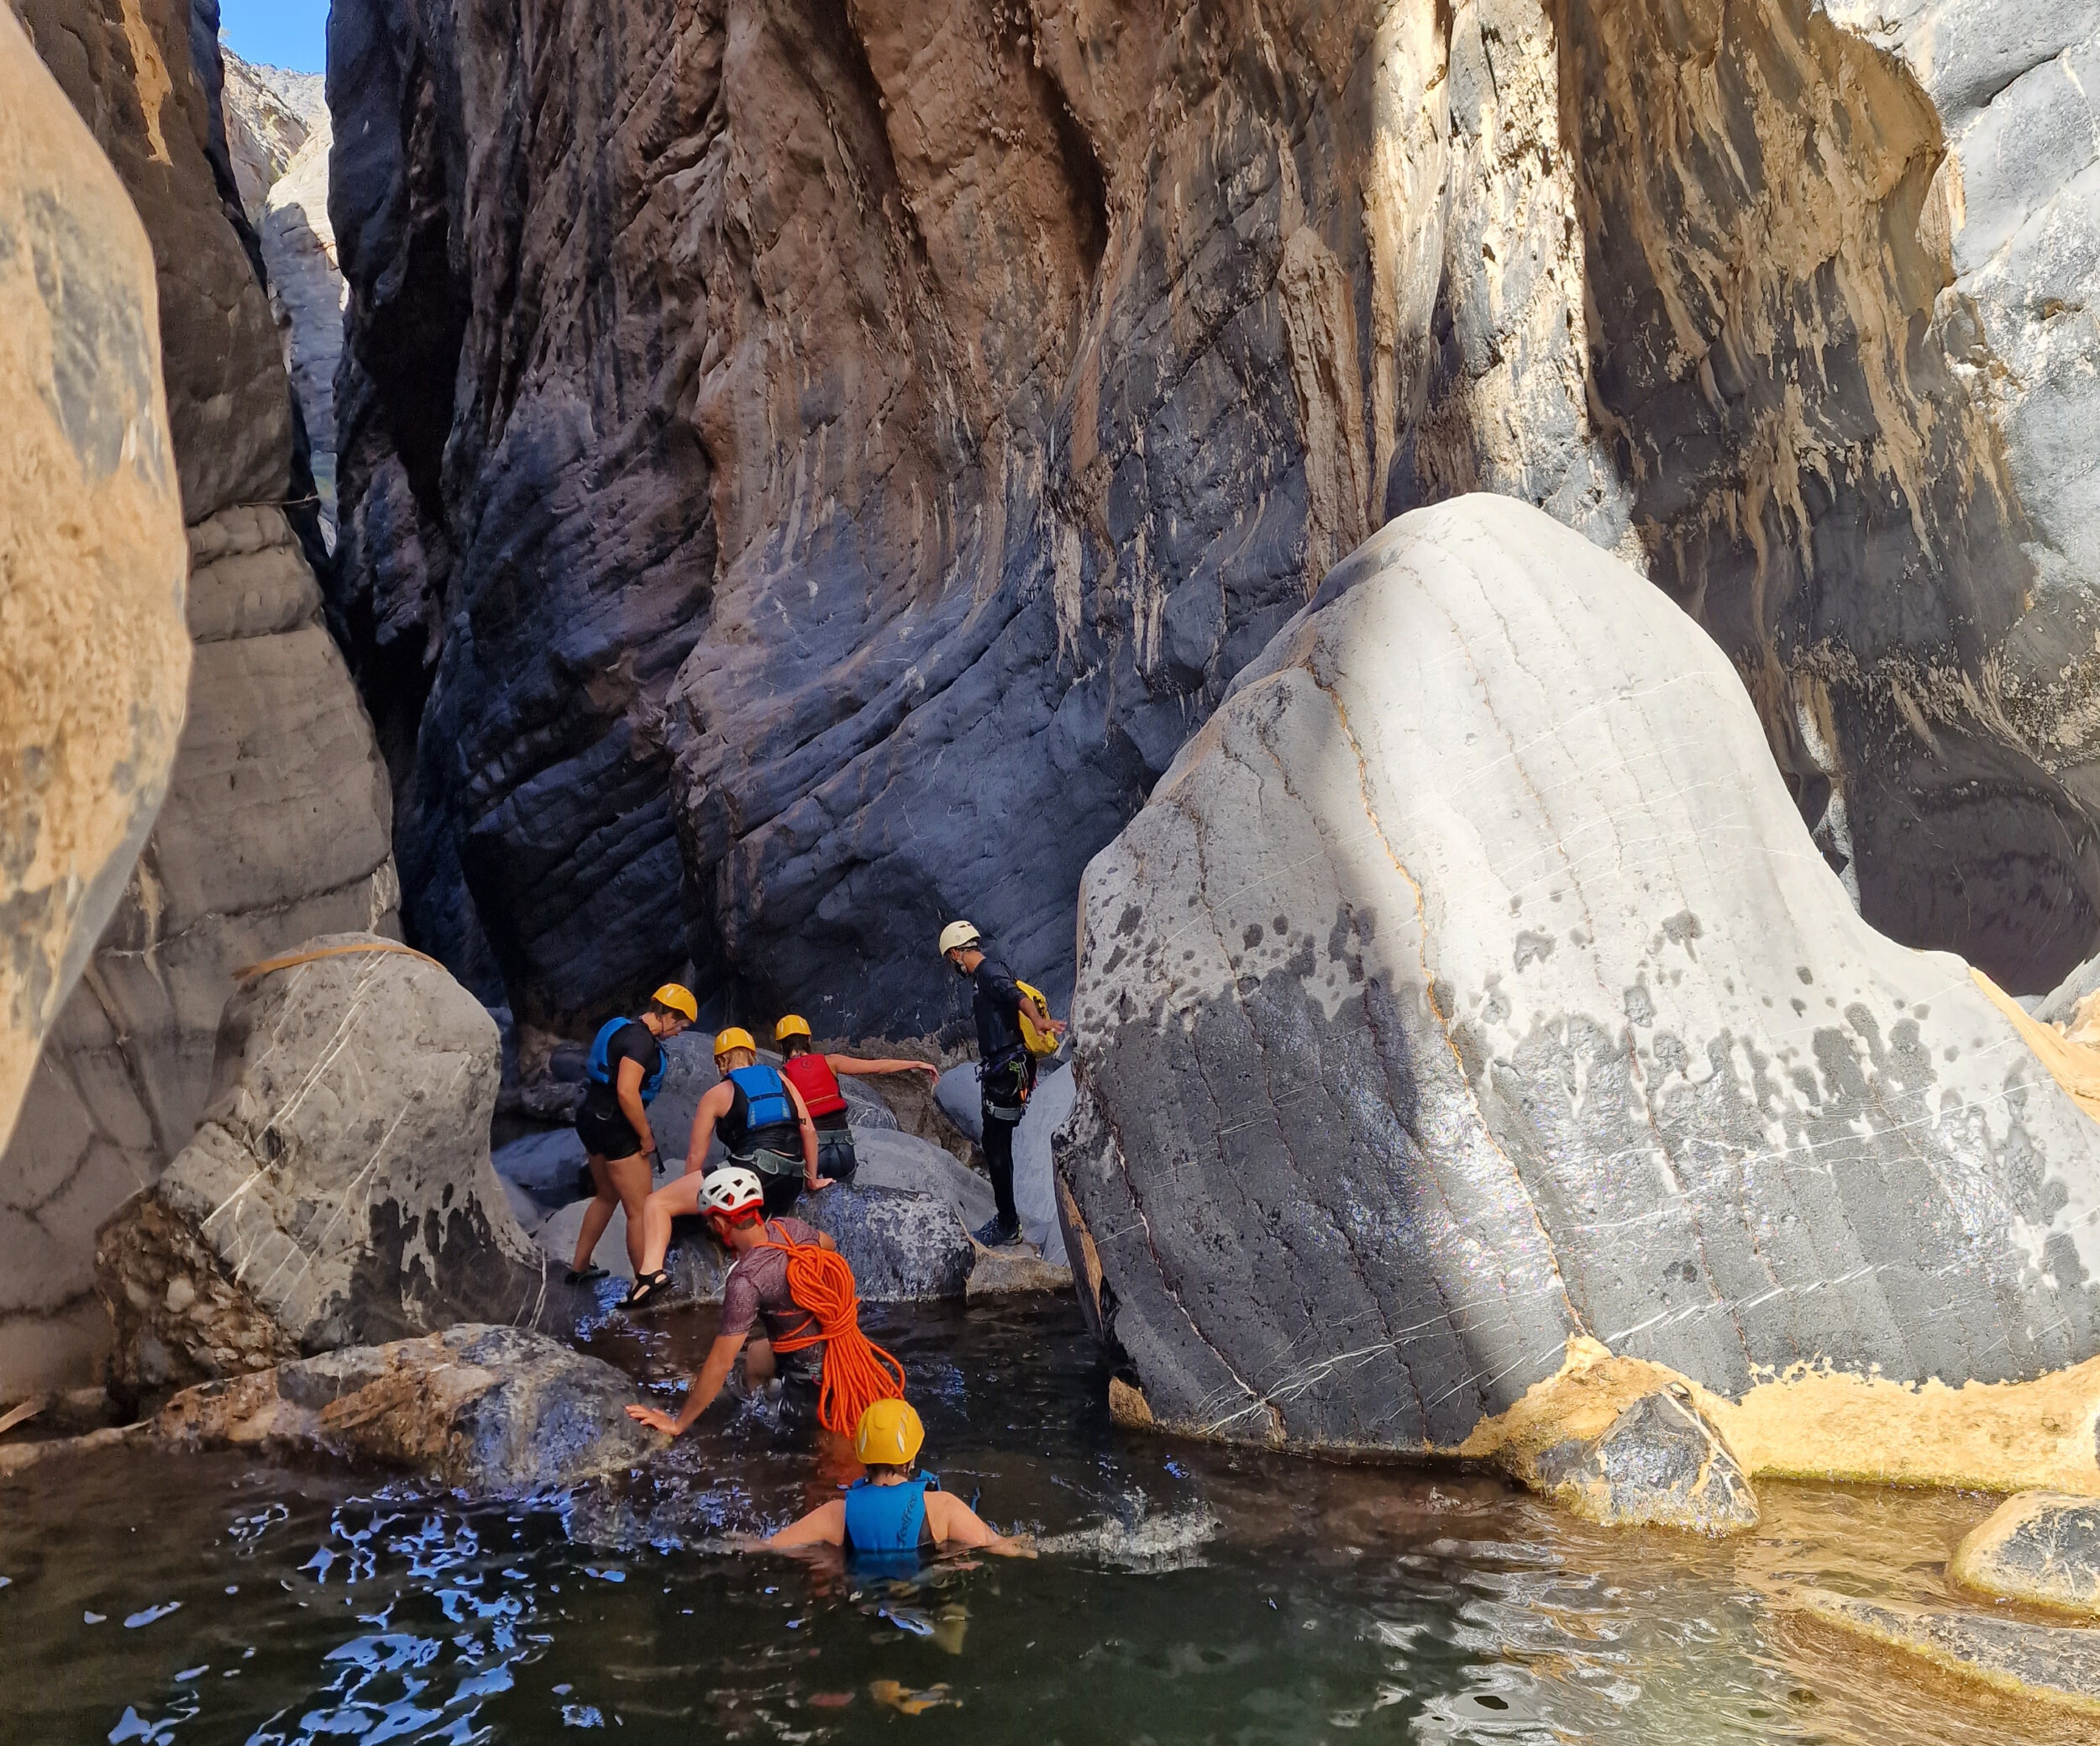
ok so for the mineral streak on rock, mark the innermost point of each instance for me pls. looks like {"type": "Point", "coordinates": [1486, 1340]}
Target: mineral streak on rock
{"type": "Point", "coordinates": [278, 823]}
{"type": "Point", "coordinates": [766, 473]}
{"type": "Point", "coordinates": [492, 1411]}
{"type": "Point", "coordinates": [93, 660]}
{"type": "Point", "coordinates": [338, 1190]}
{"type": "Point", "coordinates": [1471, 983]}
{"type": "Point", "coordinates": [2039, 1548]}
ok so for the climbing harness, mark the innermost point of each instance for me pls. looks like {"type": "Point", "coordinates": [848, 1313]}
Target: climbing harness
{"type": "Point", "coordinates": [857, 1371]}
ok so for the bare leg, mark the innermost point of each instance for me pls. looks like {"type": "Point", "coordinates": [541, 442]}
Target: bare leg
{"type": "Point", "coordinates": [760, 1367]}
{"type": "Point", "coordinates": [597, 1215]}
{"type": "Point", "coordinates": [631, 1182]}
{"type": "Point", "coordinates": [674, 1200]}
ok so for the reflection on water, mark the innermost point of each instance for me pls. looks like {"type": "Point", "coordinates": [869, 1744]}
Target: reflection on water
{"type": "Point", "coordinates": [1185, 1595]}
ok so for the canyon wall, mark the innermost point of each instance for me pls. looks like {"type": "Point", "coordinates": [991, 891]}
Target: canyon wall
{"type": "Point", "coordinates": [277, 821]}
{"type": "Point", "coordinates": [807, 465]}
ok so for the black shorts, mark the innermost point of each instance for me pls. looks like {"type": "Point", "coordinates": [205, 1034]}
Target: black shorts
{"type": "Point", "coordinates": [607, 1134]}
{"type": "Point", "coordinates": [835, 1154]}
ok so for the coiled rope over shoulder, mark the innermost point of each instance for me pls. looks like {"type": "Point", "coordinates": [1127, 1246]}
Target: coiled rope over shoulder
{"type": "Point", "coordinates": [857, 1371]}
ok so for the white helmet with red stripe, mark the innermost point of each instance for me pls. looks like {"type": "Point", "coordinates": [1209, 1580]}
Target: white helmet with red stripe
{"type": "Point", "coordinates": [729, 1192]}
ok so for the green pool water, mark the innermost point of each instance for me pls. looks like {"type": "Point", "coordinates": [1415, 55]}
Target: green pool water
{"type": "Point", "coordinates": [1196, 1595]}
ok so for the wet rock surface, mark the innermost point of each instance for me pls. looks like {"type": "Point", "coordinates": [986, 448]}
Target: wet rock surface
{"type": "Point", "coordinates": [93, 660]}
{"type": "Point", "coordinates": [2039, 1548]}
{"type": "Point", "coordinates": [1449, 1000]}
{"type": "Point", "coordinates": [487, 1410]}
{"type": "Point", "coordinates": [339, 1191]}
{"type": "Point", "coordinates": [1662, 1465]}
{"type": "Point", "coordinates": [1110, 383]}
{"type": "Point", "coordinates": [2046, 1662]}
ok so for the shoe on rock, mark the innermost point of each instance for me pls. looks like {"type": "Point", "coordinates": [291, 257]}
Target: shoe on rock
{"type": "Point", "coordinates": [996, 1235]}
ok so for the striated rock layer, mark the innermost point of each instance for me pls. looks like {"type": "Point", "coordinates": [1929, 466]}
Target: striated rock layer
{"type": "Point", "coordinates": [278, 821]}
{"type": "Point", "coordinates": [803, 460]}
{"type": "Point", "coordinates": [1471, 986]}
{"type": "Point", "coordinates": [92, 656]}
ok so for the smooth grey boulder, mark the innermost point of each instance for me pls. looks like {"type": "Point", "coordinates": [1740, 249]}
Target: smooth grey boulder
{"type": "Point", "coordinates": [1471, 983]}
{"type": "Point", "coordinates": [337, 1191]}
{"type": "Point", "coordinates": [545, 1166]}
{"type": "Point", "coordinates": [1035, 1184]}
{"type": "Point", "coordinates": [2040, 1547]}
{"type": "Point", "coordinates": [487, 1410]}
{"type": "Point", "coordinates": [961, 1100]}
{"type": "Point", "coordinates": [903, 1161]}
{"type": "Point", "coordinates": [2048, 1663]}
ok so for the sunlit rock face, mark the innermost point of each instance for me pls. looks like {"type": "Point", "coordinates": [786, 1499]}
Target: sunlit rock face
{"type": "Point", "coordinates": [802, 461]}
{"type": "Point", "coordinates": [93, 659]}
{"type": "Point", "coordinates": [277, 824]}
{"type": "Point", "coordinates": [1472, 984]}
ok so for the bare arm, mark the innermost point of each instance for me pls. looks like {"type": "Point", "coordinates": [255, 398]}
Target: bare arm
{"type": "Point", "coordinates": [712, 1108]}
{"type": "Point", "coordinates": [701, 1395]}
{"type": "Point", "coordinates": [824, 1526]}
{"type": "Point", "coordinates": [867, 1070]}
{"type": "Point", "coordinates": [808, 1138]}
{"type": "Point", "coordinates": [629, 1093]}
{"type": "Point", "coordinates": [955, 1523]}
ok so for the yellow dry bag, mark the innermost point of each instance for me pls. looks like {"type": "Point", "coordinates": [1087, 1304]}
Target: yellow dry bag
{"type": "Point", "coordinates": [1039, 1041]}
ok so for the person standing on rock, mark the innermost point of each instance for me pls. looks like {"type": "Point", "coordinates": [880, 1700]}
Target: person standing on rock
{"type": "Point", "coordinates": [624, 1074]}
{"type": "Point", "coordinates": [759, 1115]}
{"type": "Point", "coordinates": [1005, 1064]}
{"type": "Point", "coordinates": [754, 1297]}
{"type": "Point", "coordinates": [815, 1076]}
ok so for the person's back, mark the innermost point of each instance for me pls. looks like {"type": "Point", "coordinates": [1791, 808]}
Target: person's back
{"type": "Point", "coordinates": [888, 1517]}
{"type": "Point", "coordinates": [756, 1294]}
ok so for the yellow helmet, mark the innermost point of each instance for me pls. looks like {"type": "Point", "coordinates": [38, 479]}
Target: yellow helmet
{"type": "Point", "coordinates": [733, 1038]}
{"type": "Point", "coordinates": [678, 1000]}
{"type": "Point", "coordinates": [889, 1435]}
{"type": "Point", "coordinates": [790, 1026]}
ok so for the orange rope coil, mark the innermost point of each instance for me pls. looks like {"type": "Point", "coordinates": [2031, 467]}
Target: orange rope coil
{"type": "Point", "coordinates": [857, 1371]}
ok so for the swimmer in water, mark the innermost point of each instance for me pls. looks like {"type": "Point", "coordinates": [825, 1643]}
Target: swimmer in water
{"type": "Point", "coordinates": [896, 1512]}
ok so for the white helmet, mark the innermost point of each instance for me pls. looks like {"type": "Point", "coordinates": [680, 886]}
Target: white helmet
{"type": "Point", "coordinates": [731, 1191]}
{"type": "Point", "coordinates": [958, 934]}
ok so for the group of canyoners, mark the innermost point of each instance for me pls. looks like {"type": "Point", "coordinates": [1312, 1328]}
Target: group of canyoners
{"type": "Point", "coordinates": [784, 1132]}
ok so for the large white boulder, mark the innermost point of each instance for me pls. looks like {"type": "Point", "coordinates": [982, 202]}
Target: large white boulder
{"type": "Point", "coordinates": [1470, 984]}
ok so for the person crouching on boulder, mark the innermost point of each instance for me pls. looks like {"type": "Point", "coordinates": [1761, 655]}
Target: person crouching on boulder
{"type": "Point", "coordinates": [758, 1312]}
{"type": "Point", "coordinates": [759, 1115]}
{"type": "Point", "coordinates": [896, 1512]}
{"type": "Point", "coordinates": [625, 1072]}
{"type": "Point", "coordinates": [1005, 1012]}
{"type": "Point", "coordinates": [815, 1076]}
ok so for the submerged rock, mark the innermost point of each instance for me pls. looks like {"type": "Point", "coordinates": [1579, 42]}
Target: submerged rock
{"type": "Point", "coordinates": [338, 1190]}
{"type": "Point", "coordinates": [1472, 984]}
{"type": "Point", "coordinates": [2046, 1662]}
{"type": "Point", "coordinates": [480, 1409]}
{"type": "Point", "coordinates": [2041, 1547]}
{"type": "Point", "coordinates": [1662, 1463]}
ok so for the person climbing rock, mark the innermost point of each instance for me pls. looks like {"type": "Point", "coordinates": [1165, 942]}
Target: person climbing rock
{"type": "Point", "coordinates": [1005, 1063]}
{"type": "Point", "coordinates": [896, 1512]}
{"type": "Point", "coordinates": [815, 1076]}
{"type": "Point", "coordinates": [759, 1115]}
{"type": "Point", "coordinates": [624, 1073]}
{"type": "Point", "coordinates": [758, 1312]}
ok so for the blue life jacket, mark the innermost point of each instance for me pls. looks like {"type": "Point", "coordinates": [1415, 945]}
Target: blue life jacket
{"type": "Point", "coordinates": [765, 1096]}
{"type": "Point", "coordinates": [888, 1522]}
{"type": "Point", "coordinates": [600, 1065]}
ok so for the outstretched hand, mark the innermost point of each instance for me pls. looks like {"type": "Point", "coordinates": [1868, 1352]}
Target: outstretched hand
{"type": "Point", "coordinates": [654, 1419]}
{"type": "Point", "coordinates": [819, 1182]}
{"type": "Point", "coordinates": [928, 1068]}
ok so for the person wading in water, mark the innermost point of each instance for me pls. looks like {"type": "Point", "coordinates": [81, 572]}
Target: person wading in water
{"type": "Point", "coordinates": [896, 1512]}
{"type": "Point", "coordinates": [1005, 1066]}
{"type": "Point", "coordinates": [759, 1115]}
{"type": "Point", "coordinates": [754, 1297]}
{"type": "Point", "coordinates": [815, 1076]}
{"type": "Point", "coordinates": [625, 1073]}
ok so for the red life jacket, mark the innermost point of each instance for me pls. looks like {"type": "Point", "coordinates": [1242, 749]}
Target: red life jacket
{"type": "Point", "coordinates": [812, 1076]}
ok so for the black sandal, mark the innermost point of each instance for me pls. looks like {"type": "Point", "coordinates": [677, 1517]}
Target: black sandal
{"type": "Point", "coordinates": [586, 1275]}
{"type": "Point", "coordinates": [647, 1290]}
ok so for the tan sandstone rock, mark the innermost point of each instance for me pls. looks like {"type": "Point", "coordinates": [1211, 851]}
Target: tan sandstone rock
{"type": "Point", "coordinates": [93, 660]}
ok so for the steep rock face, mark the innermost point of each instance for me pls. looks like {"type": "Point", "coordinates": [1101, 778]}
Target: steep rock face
{"type": "Point", "coordinates": [278, 821]}
{"type": "Point", "coordinates": [264, 133]}
{"type": "Point", "coordinates": [92, 655]}
{"type": "Point", "coordinates": [307, 294]}
{"type": "Point", "coordinates": [800, 455]}
{"type": "Point", "coordinates": [1470, 985]}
